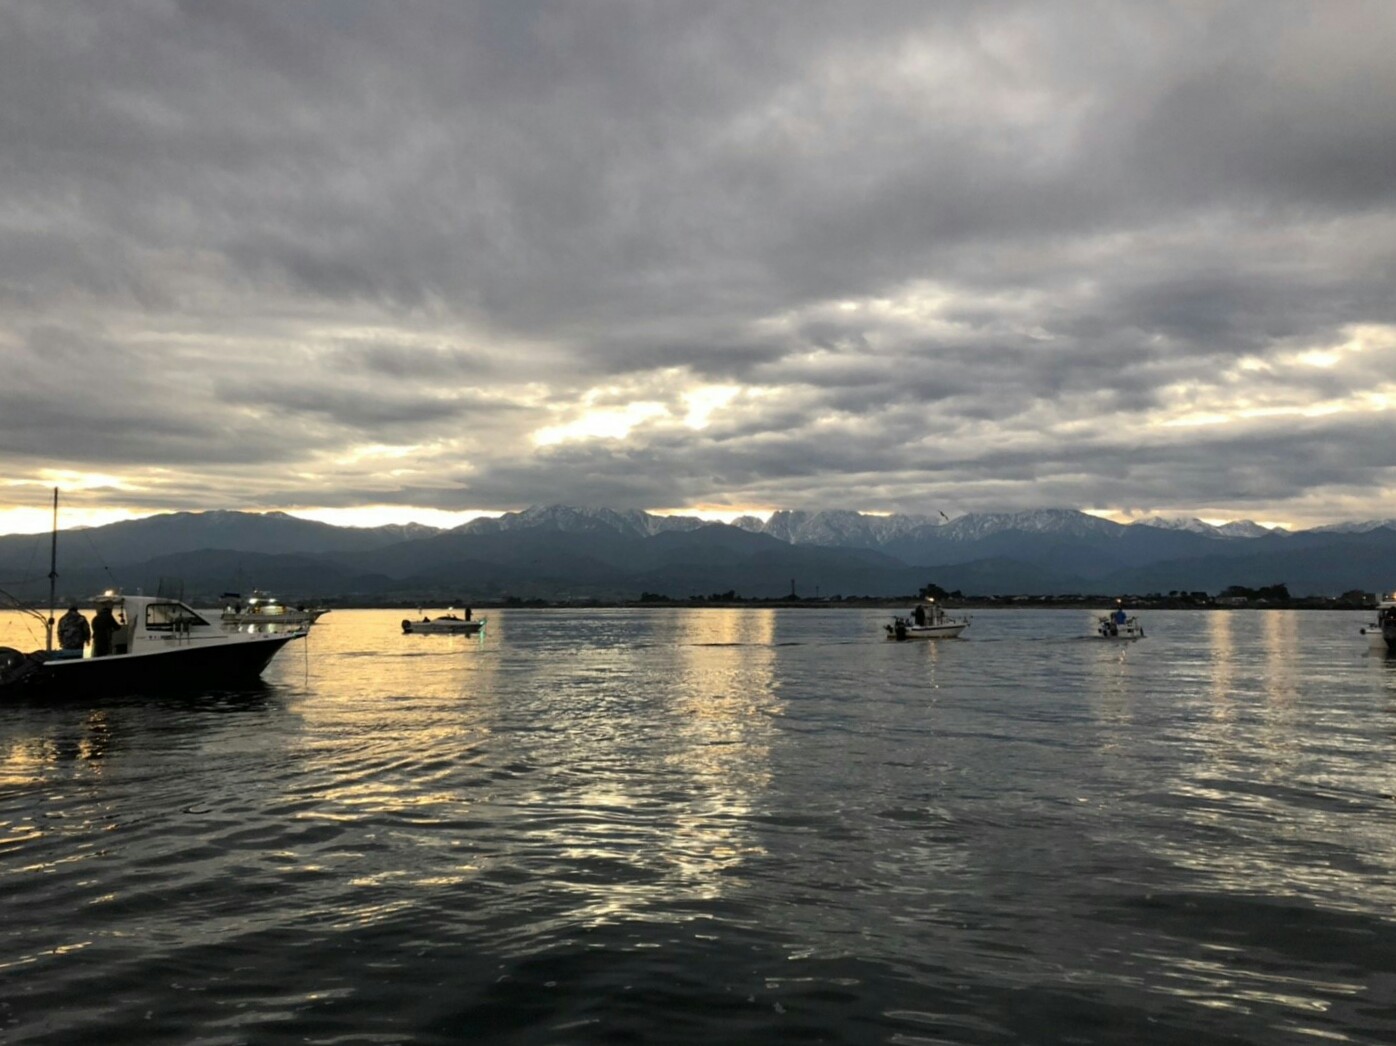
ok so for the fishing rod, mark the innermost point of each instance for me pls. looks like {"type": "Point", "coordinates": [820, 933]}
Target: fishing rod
{"type": "Point", "coordinates": [20, 605]}
{"type": "Point", "coordinates": [100, 559]}
{"type": "Point", "coordinates": [52, 576]}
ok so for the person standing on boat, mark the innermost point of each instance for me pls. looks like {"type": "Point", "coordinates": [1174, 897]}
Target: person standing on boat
{"type": "Point", "coordinates": [73, 631]}
{"type": "Point", "coordinates": [104, 625]}
{"type": "Point", "coordinates": [919, 614]}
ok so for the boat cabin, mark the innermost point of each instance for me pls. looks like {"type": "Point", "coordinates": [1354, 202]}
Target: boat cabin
{"type": "Point", "coordinates": [150, 623]}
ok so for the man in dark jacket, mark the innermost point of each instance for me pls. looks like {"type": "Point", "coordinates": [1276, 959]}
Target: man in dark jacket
{"type": "Point", "coordinates": [73, 632]}
{"type": "Point", "coordinates": [103, 626]}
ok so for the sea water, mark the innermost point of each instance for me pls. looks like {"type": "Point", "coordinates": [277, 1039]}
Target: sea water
{"type": "Point", "coordinates": [718, 826]}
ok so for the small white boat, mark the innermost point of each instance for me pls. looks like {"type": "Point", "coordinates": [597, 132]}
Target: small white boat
{"type": "Point", "coordinates": [447, 624]}
{"type": "Point", "coordinates": [926, 621]}
{"type": "Point", "coordinates": [1381, 633]}
{"type": "Point", "coordinates": [143, 643]}
{"type": "Point", "coordinates": [1119, 625]}
{"type": "Point", "coordinates": [264, 609]}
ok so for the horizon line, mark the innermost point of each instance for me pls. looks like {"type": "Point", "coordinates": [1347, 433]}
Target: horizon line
{"type": "Point", "coordinates": [38, 521]}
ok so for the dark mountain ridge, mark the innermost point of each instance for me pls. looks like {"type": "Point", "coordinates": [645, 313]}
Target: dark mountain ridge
{"type": "Point", "coordinates": [564, 552]}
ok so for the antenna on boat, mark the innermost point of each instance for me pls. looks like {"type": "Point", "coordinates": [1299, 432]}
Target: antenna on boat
{"type": "Point", "coordinates": [52, 575]}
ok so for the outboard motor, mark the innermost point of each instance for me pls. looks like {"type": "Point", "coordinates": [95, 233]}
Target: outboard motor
{"type": "Point", "coordinates": [16, 666]}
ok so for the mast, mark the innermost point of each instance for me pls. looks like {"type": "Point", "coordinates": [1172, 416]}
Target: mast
{"type": "Point", "coordinates": [52, 572]}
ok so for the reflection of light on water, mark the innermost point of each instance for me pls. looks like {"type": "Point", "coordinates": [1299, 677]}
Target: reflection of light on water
{"type": "Point", "coordinates": [1278, 735]}
{"type": "Point", "coordinates": [729, 627]}
{"type": "Point", "coordinates": [74, 753]}
{"type": "Point", "coordinates": [724, 701]}
{"type": "Point", "coordinates": [658, 798]}
{"type": "Point", "coordinates": [1218, 984]}
{"type": "Point", "coordinates": [33, 760]}
{"type": "Point", "coordinates": [1280, 631]}
{"type": "Point", "coordinates": [933, 656]}
{"type": "Point", "coordinates": [1272, 785]}
{"type": "Point", "coordinates": [1222, 659]}
{"type": "Point", "coordinates": [362, 657]}
{"type": "Point", "coordinates": [1110, 676]}
{"type": "Point", "coordinates": [391, 729]}
{"type": "Point", "coordinates": [622, 767]}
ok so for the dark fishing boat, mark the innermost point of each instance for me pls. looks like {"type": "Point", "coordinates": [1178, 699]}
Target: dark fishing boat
{"type": "Point", "coordinates": [137, 644]}
{"type": "Point", "coordinates": [446, 625]}
{"type": "Point", "coordinates": [157, 644]}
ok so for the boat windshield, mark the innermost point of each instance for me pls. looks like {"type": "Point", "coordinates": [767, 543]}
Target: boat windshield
{"type": "Point", "coordinates": [171, 617]}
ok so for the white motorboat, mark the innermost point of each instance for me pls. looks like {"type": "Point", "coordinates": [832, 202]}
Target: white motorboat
{"type": "Point", "coordinates": [1382, 632]}
{"type": "Point", "coordinates": [447, 624]}
{"type": "Point", "coordinates": [264, 609]}
{"type": "Point", "coordinates": [1119, 625]}
{"type": "Point", "coordinates": [145, 643]}
{"type": "Point", "coordinates": [926, 621]}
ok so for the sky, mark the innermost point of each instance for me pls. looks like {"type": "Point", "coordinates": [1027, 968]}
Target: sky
{"type": "Point", "coordinates": [372, 262]}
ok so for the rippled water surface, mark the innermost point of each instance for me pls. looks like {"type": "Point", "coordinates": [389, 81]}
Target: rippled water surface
{"type": "Point", "coordinates": [707, 826]}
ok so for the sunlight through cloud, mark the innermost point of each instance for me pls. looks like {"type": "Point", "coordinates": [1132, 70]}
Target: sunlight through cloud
{"type": "Point", "coordinates": [601, 423]}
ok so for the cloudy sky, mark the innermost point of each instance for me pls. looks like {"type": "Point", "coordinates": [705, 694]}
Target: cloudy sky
{"type": "Point", "coordinates": [368, 261]}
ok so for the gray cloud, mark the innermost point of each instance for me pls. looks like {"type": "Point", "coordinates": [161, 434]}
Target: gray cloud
{"type": "Point", "coordinates": [982, 256]}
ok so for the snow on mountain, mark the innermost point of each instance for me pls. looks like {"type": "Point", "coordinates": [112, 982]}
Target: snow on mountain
{"type": "Point", "coordinates": [1363, 527]}
{"type": "Point", "coordinates": [1245, 528]}
{"type": "Point", "coordinates": [839, 527]}
{"type": "Point", "coordinates": [582, 520]}
{"type": "Point", "coordinates": [1191, 524]}
{"type": "Point", "coordinates": [847, 528]}
{"type": "Point", "coordinates": [833, 527]}
{"type": "Point", "coordinates": [665, 524]}
{"type": "Point", "coordinates": [829, 527]}
{"type": "Point", "coordinates": [1240, 528]}
{"type": "Point", "coordinates": [888, 528]}
{"type": "Point", "coordinates": [1067, 522]}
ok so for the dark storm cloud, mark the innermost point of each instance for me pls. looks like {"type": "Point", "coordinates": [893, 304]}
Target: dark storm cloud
{"type": "Point", "coordinates": [75, 393]}
{"type": "Point", "coordinates": [936, 255]}
{"type": "Point", "coordinates": [356, 408]}
{"type": "Point", "coordinates": [1273, 120]}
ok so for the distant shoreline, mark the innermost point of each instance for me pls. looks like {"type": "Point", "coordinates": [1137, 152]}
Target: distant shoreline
{"type": "Point", "coordinates": [1099, 602]}
{"type": "Point", "coordinates": [861, 603]}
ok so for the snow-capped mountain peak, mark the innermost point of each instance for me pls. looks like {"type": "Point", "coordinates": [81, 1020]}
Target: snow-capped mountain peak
{"type": "Point", "coordinates": [1037, 521]}
{"type": "Point", "coordinates": [1245, 528]}
{"type": "Point", "coordinates": [1241, 528]}
{"type": "Point", "coordinates": [1191, 524]}
{"type": "Point", "coordinates": [568, 519]}
{"type": "Point", "coordinates": [1362, 527]}
{"type": "Point", "coordinates": [835, 527]}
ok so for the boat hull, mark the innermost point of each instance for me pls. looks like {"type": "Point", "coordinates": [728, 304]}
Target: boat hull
{"type": "Point", "coordinates": [1117, 630]}
{"type": "Point", "coordinates": [442, 628]}
{"type": "Point", "coordinates": [296, 618]}
{"type": "Point", "coordinates": [191, 667]}
{"type": "Point", "coordinates": [926, 631]}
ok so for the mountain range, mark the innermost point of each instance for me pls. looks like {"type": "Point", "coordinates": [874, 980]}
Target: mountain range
{"type": "Point", "coordinates": [559, 552]}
